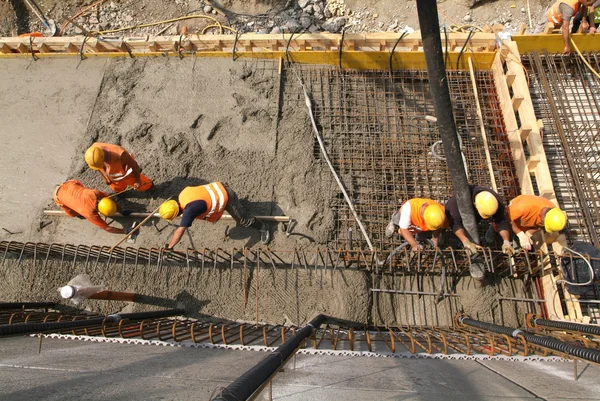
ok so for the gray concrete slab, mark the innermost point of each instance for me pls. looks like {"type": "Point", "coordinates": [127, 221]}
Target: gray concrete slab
{"type": "Point", "coordinates": [43, 110]}
{"type": "Point", "coordinates": [74, 370]}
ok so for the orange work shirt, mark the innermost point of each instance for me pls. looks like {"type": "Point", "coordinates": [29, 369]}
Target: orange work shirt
{"type": "Point", "coordinates": [525, 210]}
{"type": "Point", "coordinates": [118, 163]}
{"type": "Point", "coordinates": [77, 200]}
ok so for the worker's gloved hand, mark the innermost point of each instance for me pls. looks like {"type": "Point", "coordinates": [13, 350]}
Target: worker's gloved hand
{"type": "Point", "coordinates": [137, 185]}
{"type": "Point", "coordinates": [524, 241]}
{"type": "Point", "coordinates": [471, 247]}
{"type": "Point", "coordinates": [507, 248]}
{"type": "Point", "coordinates": [592, 30]}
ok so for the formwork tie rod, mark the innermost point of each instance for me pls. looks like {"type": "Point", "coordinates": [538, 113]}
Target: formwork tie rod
{"type": "Point", "coordinates": [587, 354]}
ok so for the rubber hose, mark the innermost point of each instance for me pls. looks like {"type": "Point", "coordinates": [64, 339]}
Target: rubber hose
{"type": "Point", "coordinates": [21, 305]}
{"type": "Point", "coordinates": [571, 326]}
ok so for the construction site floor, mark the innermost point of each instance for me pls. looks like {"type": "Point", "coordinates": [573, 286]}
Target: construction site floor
{"type": "Point", "coordinates": [75, 370]}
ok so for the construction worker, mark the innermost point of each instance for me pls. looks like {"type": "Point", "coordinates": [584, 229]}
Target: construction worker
{"type": "Point", "coordinates": [593, 18]}
{"type": "Point", "coordinates": [529, 213]}
{"type": "Point", "coordinates": [208, 202]}
{"type": "Point", "coordinates": [560, 13]}
{"type": "Point", "coordinates": [418, 215]}
{"type": "Point", "coordinates": [487, 204]}
{"type": "Point", "coordinates": [117, 167]}
{"type": "Point", "coordinates": [78, 201]}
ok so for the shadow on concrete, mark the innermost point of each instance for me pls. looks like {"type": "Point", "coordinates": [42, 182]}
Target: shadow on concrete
{"type": "Point", "coordinates": [22, 14]}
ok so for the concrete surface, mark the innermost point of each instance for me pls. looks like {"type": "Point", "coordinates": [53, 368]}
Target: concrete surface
{"type": "Point", "coordinates": [74, 370]}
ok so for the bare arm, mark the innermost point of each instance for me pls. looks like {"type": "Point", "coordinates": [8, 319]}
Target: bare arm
{"type": "Point", "coordinates": [505, 235]}
{"type": "Point", "coordinates": [406, 234]}
{"type": "Point", "coordinates": [177, 237]}
{"type": "Point", "coordinates": [566, 36]}
{"type": "Point", "coordinates": [435, 237]}
{"type": "Point", "coordinates": [460, 233]}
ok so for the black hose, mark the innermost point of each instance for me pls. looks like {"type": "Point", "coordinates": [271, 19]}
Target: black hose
{"type": "Point", "coordinates": [394, 48]}
{"type": "Point", "coordinates": [21, 305]}
{"type": "Point", "coordinates": [258, 375]}
{"type": "Point", "coordinates": [471, 33]}
{"type": "Point", "coordinates": [588, 354]}
{"type": "Point", "coordinates": [582, 328]}
{"type": "Point", "coordinates": [28, 328]}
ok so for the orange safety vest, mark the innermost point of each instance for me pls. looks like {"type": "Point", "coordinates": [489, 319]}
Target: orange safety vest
{"type": "Point", "coordinates": [416, 217]}
{"type": "Point", "coordinates": [554, 15]}
{"type": "Point", "coordinates": [112, 162]}
{"type": "Point", "coordinates": [215, 196]}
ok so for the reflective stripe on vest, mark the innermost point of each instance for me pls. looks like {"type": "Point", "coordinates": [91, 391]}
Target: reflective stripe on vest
{"type": "Point", "coordinates": [213, 199]}
{"type": "Point", "coordinates": [115, 169]}
{"type": "Point", "coordinates": [554, 14]}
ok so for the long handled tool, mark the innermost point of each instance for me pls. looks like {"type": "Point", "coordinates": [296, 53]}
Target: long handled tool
{"type": "Point", "coordinates": [134, 229]}
{"type": "Point", "coordinates": [48, 23]}
{"type": "Point", "coordinates": [119, 193]}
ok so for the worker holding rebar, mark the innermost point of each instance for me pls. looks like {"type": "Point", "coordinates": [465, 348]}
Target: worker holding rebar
{"type": "Point", "coordinates": [117, 167]}
{"type": "Point", "coordinates": [418, 215]}
{"type": "Point", "coordinates": [528, 214]}
{"type": "Point", "coordinates": [559, 14]}
{"type": "Point", "coordinates": [86, 203]}
{"type": "Point", "coordinates": [208, 202]}
{"type": "Point", "coordinates": [487, 205]}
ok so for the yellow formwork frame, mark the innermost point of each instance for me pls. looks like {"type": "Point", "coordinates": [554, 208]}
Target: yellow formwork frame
{"type": "Point", "coordinates": [554, 43]}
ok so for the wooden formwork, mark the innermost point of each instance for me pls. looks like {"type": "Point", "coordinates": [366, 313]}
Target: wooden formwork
{"type": "Point", "coordinates": [515, 100]}
{"type": "Point", "coordinates": [360, 51]}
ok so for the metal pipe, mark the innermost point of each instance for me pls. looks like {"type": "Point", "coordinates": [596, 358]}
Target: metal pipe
{"type": "Point", "coordinates": [253, 380]}
{"type": "Point", "coordinates": [225, 216]}
{"type": "Point", "coordinates": [570, 326]}
{"type": "Point", "coordinates": [28, 328]}
{"type": "Point", "coordinates": [21, 305]}
{"type": "Point", "coordinates": [440, 92]}
{"type": "Point", "coordinates": [588, 354]}
{"type": "Point", "coordinates": [411, 292]}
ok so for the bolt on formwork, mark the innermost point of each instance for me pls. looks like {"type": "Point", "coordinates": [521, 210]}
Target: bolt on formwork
{"type": "Point", "coordinates": [566, 96]}
{"type": "Point", "coordinates": [375, 132]}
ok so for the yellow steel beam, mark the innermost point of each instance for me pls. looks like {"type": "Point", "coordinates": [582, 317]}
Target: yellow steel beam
{"type": "Point", "coordinates": [554, 43]}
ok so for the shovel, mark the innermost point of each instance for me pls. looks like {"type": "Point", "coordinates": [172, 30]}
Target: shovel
{"type": "Point", "coordinates": [48, 23]}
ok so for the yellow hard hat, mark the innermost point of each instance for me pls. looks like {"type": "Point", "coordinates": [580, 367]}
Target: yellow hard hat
{"type": "Point", "coordinates": [486, 204]}
{"type": "Point", "coordinates": [94, 157]}
{"type": "Point", "coordinates": [107, 207]}
{"type": "Point", "coordinates": [555, 220]}
{"type": "Point", "coordinates": [434, 217]}
{"type": "Point", "coordinates": [169, 210]}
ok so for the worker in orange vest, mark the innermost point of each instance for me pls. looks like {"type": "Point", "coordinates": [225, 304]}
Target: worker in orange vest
{"type": "Point", "coordinates": [418, 215]}
{"type": "Point", "coordinates": [560, 13]}
{"type": "Point", "coordinates": [208, 202]}
{"type": "Point", "coordinates": [117, 167]}
{"type": "Point", "coordinates": [528, 214]}
{"type": "Point", "coordinates": [78, 201]}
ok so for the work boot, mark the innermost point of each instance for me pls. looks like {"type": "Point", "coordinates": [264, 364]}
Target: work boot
{"type": "Point", "coordinates": [265, 234]}
{"type": "Point", "coordinates": [490, 235]}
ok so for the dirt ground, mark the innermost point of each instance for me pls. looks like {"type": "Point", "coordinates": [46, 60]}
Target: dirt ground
{"type": "Point", "coordinates": [361, 16]}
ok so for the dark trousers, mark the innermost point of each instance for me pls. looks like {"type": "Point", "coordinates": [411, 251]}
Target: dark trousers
{"type": "Point", "coordinates": [238, 212]}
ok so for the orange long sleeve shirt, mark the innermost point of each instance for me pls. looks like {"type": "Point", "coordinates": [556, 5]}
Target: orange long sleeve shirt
{"type": "Point", "coordinates": [77, 200]}
{"type": "Point", "coordinates": [525, 210]}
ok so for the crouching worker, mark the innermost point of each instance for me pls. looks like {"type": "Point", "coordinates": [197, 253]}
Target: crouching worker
{"type": "Point", "coordinates": [528, 214]}
{"type": "Point", "coordinates": [117, 167]}
{"type": "Point", "coordinates": [78, 201]}
{"type": "Point", "coordinates": [208, 202]}
{"type": "Point", "coordinates": [487, 205]}
{"type": "Point", "coordinates": [418, 215]}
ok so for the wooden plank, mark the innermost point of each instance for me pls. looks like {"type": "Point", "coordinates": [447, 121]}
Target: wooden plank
{"type": "Point", "coordinates": [524, 132]}
{"type": "Point", "coordinates": [512, 127]}
{"type": "Point", "coordinates": [482, 126]}
{"type": "Point", "coordinates": [510, 78]}
{"type": "Point", "coordinates": [552, 297]}
{"type": "Point", "coordinates": [516, 101]}
{"type": "Point", "coordinates": [532, 162]}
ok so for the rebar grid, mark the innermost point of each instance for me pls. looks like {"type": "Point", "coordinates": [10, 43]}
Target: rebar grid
{"type": "Point", "coordinates": [332, 335]}
{"type": "Point", "coordinates": [566, 97]}
{"type": "Point", "coordinates": [374, 127]}
{"type": "Point", "coordinates": [454, 262]}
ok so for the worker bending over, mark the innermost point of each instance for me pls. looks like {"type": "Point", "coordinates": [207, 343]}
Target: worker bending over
{"type": "Point", "coordinates": [78, 201]}
{"type": "Point", "coordinates": [418, 215]}
{"type": "Point", "coordinates": [488, 204]}
{"type": "Point", "coordinates": [560, 13]}
{"type": "Point", "coordinates": [529, 213]}
{"type": "Point", "coordinates": [208, 202]}
{"type": "Point", "coordinates": [117, 167]}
